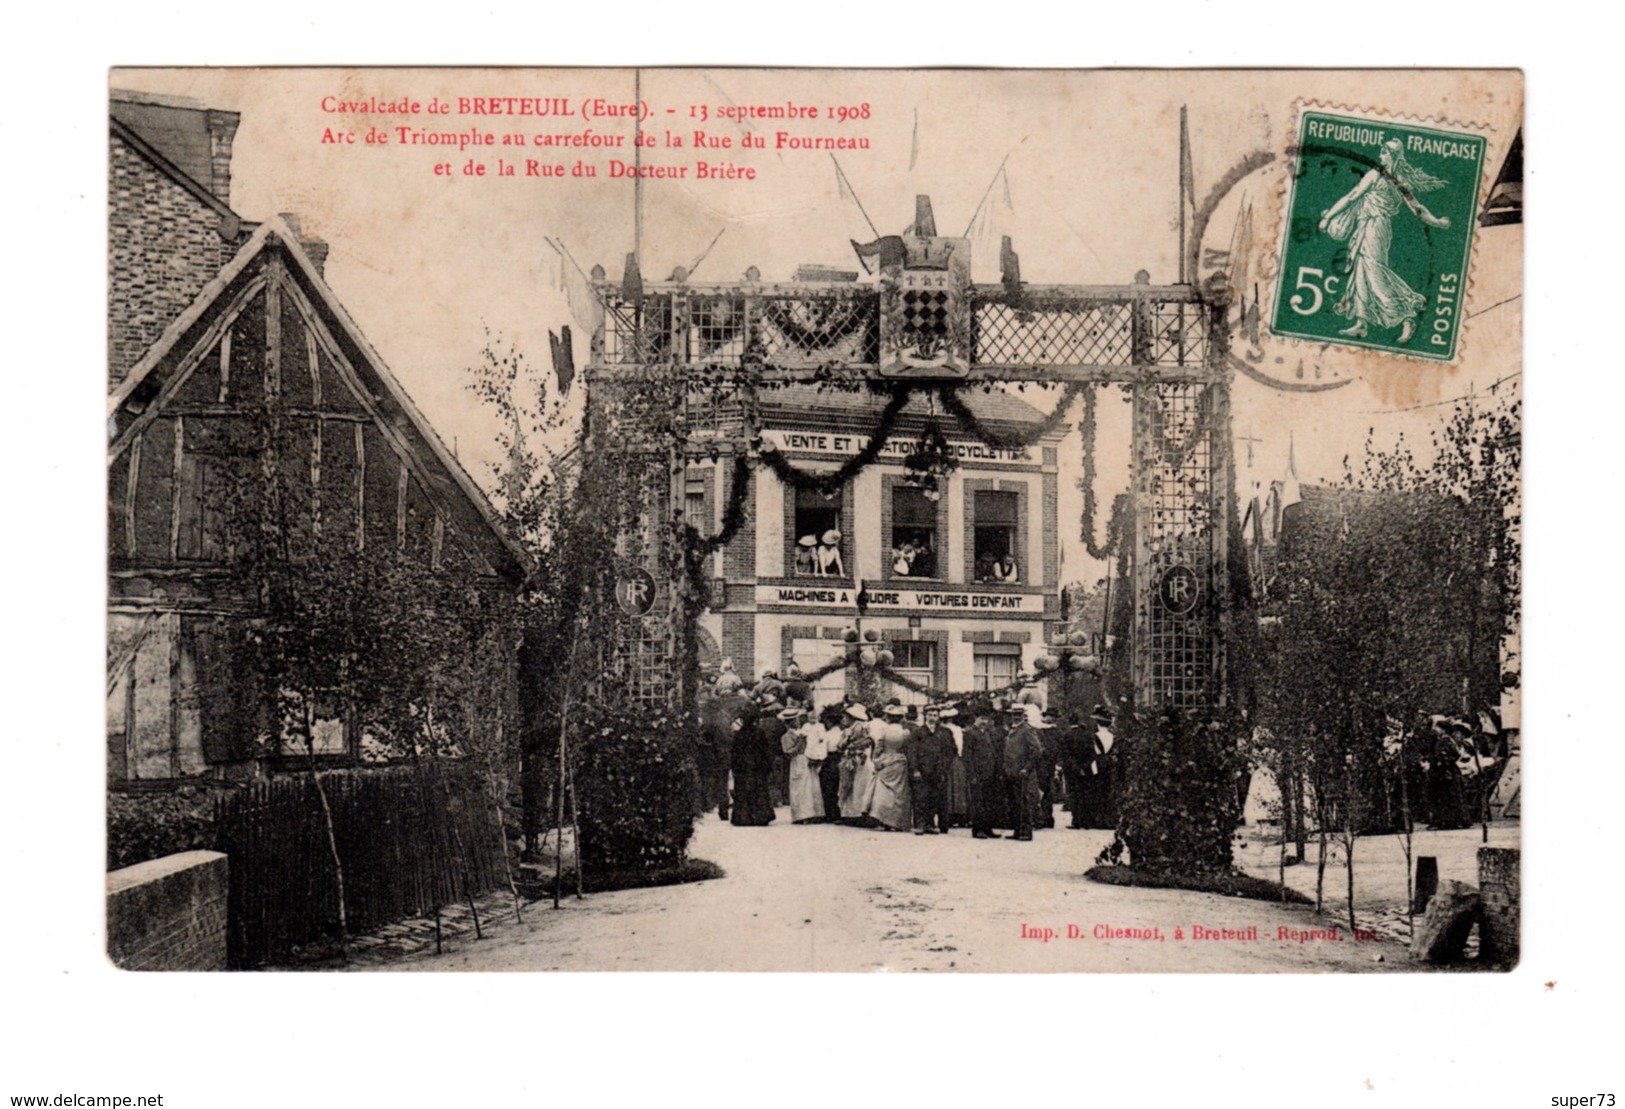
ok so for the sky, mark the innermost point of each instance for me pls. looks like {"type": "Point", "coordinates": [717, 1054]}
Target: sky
{"type": "Point", "coordinates": [1079, 169]}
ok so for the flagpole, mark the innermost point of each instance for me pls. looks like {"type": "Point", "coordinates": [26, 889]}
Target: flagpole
{"type": "Point", "coordinates": [704, 253]}
{"type": "Point", "coordinates": [842, 174]}
{"type": "Point", "coordinates": [1185, 187]}
{"type": "Point", "coordinates": [985, 195]}
{"type": "Point", "coordinates": [637, 168]}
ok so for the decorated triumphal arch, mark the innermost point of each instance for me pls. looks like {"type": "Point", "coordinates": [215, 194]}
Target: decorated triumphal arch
{"type": "Point", "coordinates": [678, 370]}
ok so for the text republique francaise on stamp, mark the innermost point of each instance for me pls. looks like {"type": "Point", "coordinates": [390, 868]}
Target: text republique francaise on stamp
{"type": "Point", "coordinates": [1378, 236]}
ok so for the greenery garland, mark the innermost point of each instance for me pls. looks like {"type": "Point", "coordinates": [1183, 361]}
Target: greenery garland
{"type": "Point", "coordinates": [848, 661]}
{"type": "Point", "coordinates": [1087, 483]}
{"type": "Point", "coordinates": [693, 549]}
{"type": "Point", "coordinates": [1175, 456]}
{"type": "Point", "coordinates": [953, 403]}
{"type": "Point", "coordinates": [834, 480]}
{"type": "Point", "coordinates": [733, 515]}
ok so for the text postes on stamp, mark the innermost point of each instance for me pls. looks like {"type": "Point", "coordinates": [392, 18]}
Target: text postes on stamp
{"type": "Point", "coordinates": [1379, 232]}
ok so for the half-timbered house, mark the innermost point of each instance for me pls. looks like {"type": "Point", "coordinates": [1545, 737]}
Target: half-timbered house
{"type": "Point", "coordinates": [219, 330]}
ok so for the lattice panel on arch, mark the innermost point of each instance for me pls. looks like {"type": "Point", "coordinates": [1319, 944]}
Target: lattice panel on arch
{"type": "Point", "coordinates": [1178, 334]}
{"type": "Point", "coordinates": [718, 331]}
{"type": "Point", "coordinates": [637, 332]}
{"type": "Point", "coordinates": [1074, 335]}
{"type": "Point", "coordinates": [806, 330]}
{"type": "Point", "coordinates": [713, 413]}
{"type": "Point", "coordinates": [1176, 494]}
{"type": "Point", "coordinates": [645, 655]}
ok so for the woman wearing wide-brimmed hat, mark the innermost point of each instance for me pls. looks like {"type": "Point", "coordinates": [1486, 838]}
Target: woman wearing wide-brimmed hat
{"type": "Point", "coordinates": [806, 801]}
{"type": "Point", "coordinates": [824, 736]}
{"type": "Point", "coordinates": [857, 776]}
{"type": "Point", "coordinates": [890, 805]}
{"type": "Point", "coordinates": [829, 554]}
{"type": "Point", "coordinates": [806, 555]}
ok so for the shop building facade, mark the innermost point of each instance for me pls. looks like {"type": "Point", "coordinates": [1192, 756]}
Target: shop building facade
{"type": "Point", "coordinates": [958, 575]}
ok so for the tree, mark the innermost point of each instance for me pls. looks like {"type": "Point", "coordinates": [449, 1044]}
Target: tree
{"type": "Point", "coordinates": [583, 514]}
{"type": "Point", "coordinates": [357, 647]}
{"type": "Point", "coordinates": [1400, 588]}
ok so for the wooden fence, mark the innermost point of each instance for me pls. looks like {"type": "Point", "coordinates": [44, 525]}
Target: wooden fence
{"type": "Point", "coordinates": [410, 839]}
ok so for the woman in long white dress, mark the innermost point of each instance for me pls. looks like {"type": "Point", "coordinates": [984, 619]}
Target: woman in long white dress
{"type": "Point", "coordinates": [857, 775]}
{"type": "Point", "coordinates": [806, 800]}
{"type": "Point", "coordinates": [1373, 294]}
{"type": "Point", "coordinates": [890, 805]}
{"type": "Point", "coordinates": [824, 759]}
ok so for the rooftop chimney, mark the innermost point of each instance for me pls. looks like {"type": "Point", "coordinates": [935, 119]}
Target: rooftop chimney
{"type": "Point", "coordinates": [313, 247]}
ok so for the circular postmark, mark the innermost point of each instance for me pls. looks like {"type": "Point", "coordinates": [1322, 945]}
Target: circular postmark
{"type": "Point", "coordinates": [1234, 236]}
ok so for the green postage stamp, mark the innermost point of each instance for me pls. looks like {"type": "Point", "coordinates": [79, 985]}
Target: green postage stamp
{"type": "Point", "coordinates": [1378, 233]}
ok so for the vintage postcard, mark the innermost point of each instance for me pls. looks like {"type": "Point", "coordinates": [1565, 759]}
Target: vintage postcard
{"type": "Point", "coordinates": [814, 520]}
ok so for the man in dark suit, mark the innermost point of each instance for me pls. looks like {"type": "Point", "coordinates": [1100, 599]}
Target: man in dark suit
{"type": "Point", "coordinates": [1024, 760]}
{"type": "Point", "coordinates": [929, 749]}
{"type": "Point", "coordinates": [984, 752]}
{"type": "Point", "coordinates": [1077, 748]}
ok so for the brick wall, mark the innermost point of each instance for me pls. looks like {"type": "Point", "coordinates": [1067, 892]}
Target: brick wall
{"type": "Point", "coordinates": [739, 556]}
{"type": "Point", "coordinates": [1498, 893]}
{"type": "Point", "coordinates": [164, 245]}
{"type": "Point", "coordinates": [739, 644]}
{"type": "Point", "coordinates": [169, 913]}
{"type": "Point", "coordinates": [1051, 517]}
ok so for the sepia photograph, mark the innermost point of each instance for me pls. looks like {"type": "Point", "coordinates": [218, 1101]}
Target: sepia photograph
{"type": "Point", "coordinates": [682, 519]}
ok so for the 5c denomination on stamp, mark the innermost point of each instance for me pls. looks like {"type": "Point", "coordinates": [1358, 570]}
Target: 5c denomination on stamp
{"type": "Point", "coordinates": [1378, 233]}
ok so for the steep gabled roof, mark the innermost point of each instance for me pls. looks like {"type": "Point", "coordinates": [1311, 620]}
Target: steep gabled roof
{"type": "Point", "coordinates": [192, 138]}
{"type": "Point", "coordinates": [230, 220]}
{"type": "Point", "coordinates": [178, 351]}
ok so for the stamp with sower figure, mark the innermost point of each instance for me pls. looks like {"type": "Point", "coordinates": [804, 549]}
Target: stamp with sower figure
{"type": "Point", "coordinates": [1377, 241]}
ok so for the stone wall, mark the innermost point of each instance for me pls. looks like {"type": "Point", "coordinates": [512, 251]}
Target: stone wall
{"type": "Point", "coordinates": [1498, 889]}
{"type": "Point", "coordinates": [169, 913]}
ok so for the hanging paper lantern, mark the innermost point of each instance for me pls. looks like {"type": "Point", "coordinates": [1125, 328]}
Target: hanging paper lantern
{"type": "Point", "coordinates": [850, 635]}
{"type": "Point", "coordinates": [885, 657]}
{"type": "Point", "coordinates": [872, 636]}
{"type": "Point", "coordinates": [1078, 639]}
{"type": "Point", "coordinates": [868, 656]}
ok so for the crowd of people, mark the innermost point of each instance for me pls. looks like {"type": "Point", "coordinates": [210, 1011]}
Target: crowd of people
{"type": "Point", "coordinates": [992, 764]}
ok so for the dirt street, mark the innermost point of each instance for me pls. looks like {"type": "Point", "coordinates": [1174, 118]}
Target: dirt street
{"type": "Point", "coordinates": [823, 897]}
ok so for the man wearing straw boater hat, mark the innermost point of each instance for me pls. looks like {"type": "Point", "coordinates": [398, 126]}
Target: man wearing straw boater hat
{"type": "Point", "coordinates": [1023, 761]}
